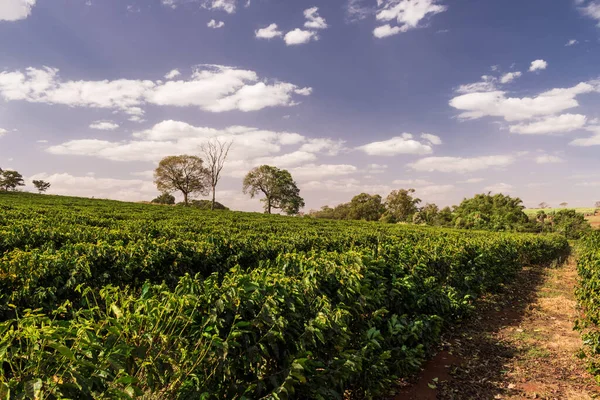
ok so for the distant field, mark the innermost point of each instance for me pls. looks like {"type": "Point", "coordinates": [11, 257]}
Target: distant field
{"type": "Point", "coordinates": [582, 210]}
{"type": "Point", "coordinates": [594, 220]}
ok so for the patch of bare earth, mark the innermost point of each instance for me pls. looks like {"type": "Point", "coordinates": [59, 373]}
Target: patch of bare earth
{"type": "Point", "coordinates": [520, 344]}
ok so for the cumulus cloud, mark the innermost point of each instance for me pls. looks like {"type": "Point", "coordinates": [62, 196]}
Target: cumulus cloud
{"type": "Point", "coordinates": [592, 10]}
{"type": "Point", "coordinates": [323, 145]}
{"type": "Point", "coordinates": [550, 125]}
{"type": "Point", "coordinates": [211, 88]}
{"type": "Point", "coordinates": [538, 65]}
{"type": "Point", "coordinates": [510, 76]}
{"type": "Point", "coordinates": [269, 32]}
{"type": "Point", "coordinates": [472, 180]}
{"type": "Point", "coordinates": [497, 104]}
{"type": "Point", "coordinates": [593, 140]}
{"type": "Point", "coordinates": [215, 24]}
{"type": "Point", "coordinates": [356, 10]}
{"type": "Point", "coordinates": [14, 10]}
{"type": "Point", "coordinates": [313, 19]}
{"type": "Point", "coordinates": [548, 159]}
{"type": "Point", "coordinates": [571, 42]}
{"type": "Point", "coordinates": [386, 30]}
{"type": "Point", "coordinates": [299, 36]}
{"type": "Point", "coordinates": [104, 125]}
{"type": "Point", "coordinates": [407, 14]}
{"type": "Point", "coordinates": [433, 139]}
{"type": "Point", "coordinates": [3, 132]}
{"type": "Point", "coordinates": [90, 186]}
{"type": "Point", "coordinates": [461, 164]}
{"type": "Point", "coordinates": [412, 182]}
{"type": "Point", "coordinates": [404, 144]}
{"type": "Point", "coordinates": [318, 171]}
{"type": "Point", "coordinates": [172, 74]}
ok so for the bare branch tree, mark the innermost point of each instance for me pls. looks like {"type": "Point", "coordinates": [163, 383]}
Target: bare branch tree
{"type": "Point", "coordinates": [215, 153]}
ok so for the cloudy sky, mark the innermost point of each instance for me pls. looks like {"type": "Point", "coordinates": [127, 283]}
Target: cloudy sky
{"type": "Point", "coordinates": [451, 98]}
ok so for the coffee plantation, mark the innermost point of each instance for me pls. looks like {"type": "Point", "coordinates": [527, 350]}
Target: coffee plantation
{"type": "Point", "coordinates": [103, 299]}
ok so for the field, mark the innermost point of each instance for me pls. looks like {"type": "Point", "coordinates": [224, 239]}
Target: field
{"type": "Point", "coordinates": [581, 210]}
{"type": "Point", "coordinates": [103, 299]}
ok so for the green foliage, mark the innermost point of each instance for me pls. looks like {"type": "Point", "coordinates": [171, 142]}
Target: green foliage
{"type": "Point", "coordinates": [165, 198]}
{"type": "Point", "coordinates": [102, 299]}
{"type": "Point", "coordinates": [588, 267]}
{"type": "Point", "coordinates": [491, 212]}
{"type": "Point", "coordinates": [207, 205]}
{"type": "Point", "coordinates": [570, 223]}
{"type": "Point", "coordinates": [41, 186]}
{"type": "Point", "coordinates": [401, 206]}
{"type": "Point", "coordinates": [184, 173]}
{"type": "Point", "coordinates": [278, 187]}
{"type": "Point", "coordinates": [366, 207]}
{"type": "Point", "coordinates": [10, 180]}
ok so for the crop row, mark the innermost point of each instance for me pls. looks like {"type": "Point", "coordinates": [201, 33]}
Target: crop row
{"type": "Point", "coordinates": [588, 295]}
{"type": "Point", "coordinates": [109, 300]}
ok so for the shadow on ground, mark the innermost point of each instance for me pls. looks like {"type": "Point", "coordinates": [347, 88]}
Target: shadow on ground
{"type": "Point", "coordinates": [472, 360]}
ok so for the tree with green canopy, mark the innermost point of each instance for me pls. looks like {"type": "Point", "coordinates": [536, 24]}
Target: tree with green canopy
{"type": "Point", "coordinates": [278, 187]}
{"type": "Point", "coordinates": [182, 173]}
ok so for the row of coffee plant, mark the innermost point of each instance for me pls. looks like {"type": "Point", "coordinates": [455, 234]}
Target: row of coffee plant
{"type": "Point", "coordinates": [115, 300]}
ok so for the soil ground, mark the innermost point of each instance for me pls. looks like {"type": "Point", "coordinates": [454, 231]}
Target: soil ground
{"type": "Point", "coordinates": [520, 344]}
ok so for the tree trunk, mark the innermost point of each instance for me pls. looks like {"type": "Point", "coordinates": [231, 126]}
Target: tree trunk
{"type": "Point", "coordinates": [185, 198]}
{"type": "Point", "coordinates": [268, 205]}
{"type": "Point", "coordinates": [212, 205]}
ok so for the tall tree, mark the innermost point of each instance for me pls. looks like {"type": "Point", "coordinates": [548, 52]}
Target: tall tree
{"type": "Point", "coordinates": [543, 205]}
{"type": "Point", "coordinates": [10, 180]}
{"type": "Point", "coordinates": [215, 153]}
{"type": "Point", "coordinates": [184, 173]}
{"type": "Point", "coordinates": [563, 204]}
{"type": "Point", "coordinates": [41, 186]}
{"type": "Point", "coordinates": [277, 185]}
{"type": "Point", "coordinates": [401, 205]}
{"type": "Point", "coordinates": [366, 207]}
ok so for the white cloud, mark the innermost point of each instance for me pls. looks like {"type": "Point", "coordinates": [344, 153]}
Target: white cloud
{"type": "Point", "coordinates": [496, 104]}
{"type": "Point", "coordinates": [433, 190]}
{"type": "Point", "coordinates": [376, 168]}
{"type": "Point", "coordinates": [472, 180]}
{"type": "Point", "coordinates": [313, 19]}
{"type": "Point", "coordinates": [510, 76]}
{"type": "Point", "coordinates": [500, 188]}
{"type": "Point", "coordinates": [319, 171]}
{"type": "Point", "coordinates": [548, 159]}
{"type": "Point", "coordinates": [329, 146]}
{"type": "Point", "coordinates": [299, 36]}
{"type": "Point", "coordinates": [172, 74]}
{"type": "Point", "coordinates": [433, 139]}
{"type": "Point", "coordinates": [386, 30]}
{"type": "Point", "coordinates": [356, 10]}
{"type": "Point", "coordinates": [487, 84]}
{"type": "Point", "coordinates": [412, 182]}
{"type": "Point", "coordinates": [593, 140]}
{"type": "Point", "coordinates": [215, 25]}
{"type": "Point", "coordinates": [592, 10]}
{"type": "Point", "coordinates": [571, 42]}
{"type": "Point", "coordinates": [538, 65]}
{"type": "Point", "coordinates": [229, 6]}
{"type": "Point", "coordinates": [287, 160]}
{"type": "Point", "coordinates": [104, 125]}
{"type": "Point", "coordinates": [553, 124]}
{"type": "Point", "coordinates": [42, 141]}
{"type": "Point", "coordinates": [3, 132]}
{"type": "Point", "coordinates": [404, 144]}
{"type": "Point", "coordinates": [89, 186]}
{"type": "Point", "coordinates": [269, 32]}
{"type": "Point", "coordinates": [14, 10]}
{"type": "Point", "coordinates": [406, 13]}
{"type": "Point", "coordinates": [211, 88]}
{"type": "Point", "coordinates": [461, 164]}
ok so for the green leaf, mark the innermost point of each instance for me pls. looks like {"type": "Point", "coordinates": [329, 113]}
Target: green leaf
{"type": "Point", "coordinates": [116, 310]}
{"type": "Point", "coordinates": [64, 350]}
{"type": "Point", "coordinates": [33, 389]}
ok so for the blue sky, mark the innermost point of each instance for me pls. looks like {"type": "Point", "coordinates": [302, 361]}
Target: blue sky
{"type": "Point", "coordinates": [451, 98]}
